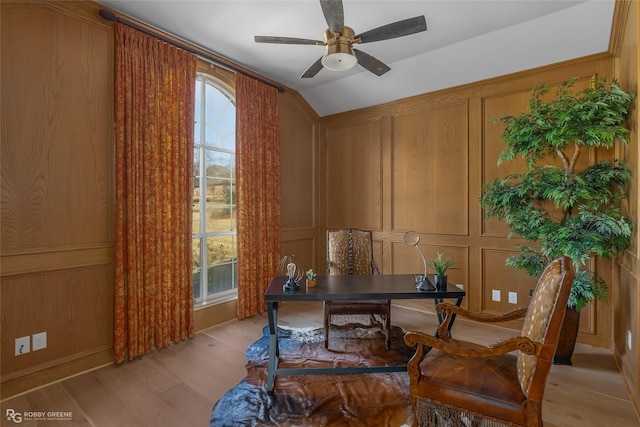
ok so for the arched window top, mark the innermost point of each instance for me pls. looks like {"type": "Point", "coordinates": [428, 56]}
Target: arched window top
{"type": "Point", "coordinates": [216, 111]}
{"type": "Point", "coordinates": [221, 78]}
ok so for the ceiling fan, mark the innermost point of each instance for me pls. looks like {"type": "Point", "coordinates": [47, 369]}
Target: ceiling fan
{"type": "Point", "coordinates": [339, 40]}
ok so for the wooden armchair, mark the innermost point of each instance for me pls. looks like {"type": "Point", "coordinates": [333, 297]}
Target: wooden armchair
{"type": "Point", "coordinates": [458, 383]}
{"type": "Point", "coordinates": [350, 251]}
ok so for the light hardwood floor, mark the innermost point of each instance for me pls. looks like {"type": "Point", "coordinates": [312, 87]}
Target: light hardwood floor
{"type": "Point", "coordinates": [178, 386]}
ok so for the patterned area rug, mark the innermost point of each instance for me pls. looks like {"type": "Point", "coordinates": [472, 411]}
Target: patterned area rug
{"type": "Point", "coordinates": [374, 399]}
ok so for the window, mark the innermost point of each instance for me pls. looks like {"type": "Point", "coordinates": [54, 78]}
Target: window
{"type": "Point", "coordinates": [215, 272]}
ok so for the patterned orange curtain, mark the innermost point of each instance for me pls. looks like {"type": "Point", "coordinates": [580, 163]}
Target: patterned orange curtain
{"type": "Point", "coordinates": [155, 89]}
{"type": "Point", "coordinates": [258, 180]}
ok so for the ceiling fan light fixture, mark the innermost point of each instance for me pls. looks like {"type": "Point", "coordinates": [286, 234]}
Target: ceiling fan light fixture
{"type": "Point", "coordinates": [339, 57]}
{"type": "Point", "coordinates": [339, 38]}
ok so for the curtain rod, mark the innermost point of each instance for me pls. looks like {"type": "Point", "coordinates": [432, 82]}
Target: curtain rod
{"type": "Point", "coordinates": [110, 16]}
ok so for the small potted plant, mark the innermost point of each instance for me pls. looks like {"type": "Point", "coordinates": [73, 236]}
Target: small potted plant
{"type": "Point", "coordinates": [440, 266]}
{"type": "Point", "coordinates": [311, 278]}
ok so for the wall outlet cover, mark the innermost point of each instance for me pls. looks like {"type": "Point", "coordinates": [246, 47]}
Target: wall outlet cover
{"type": "Point", "coordinates": [39, 341]}
{"type": "Point", "coordinates": [495, 295]}
{"type": "Point", "coordinates": [513, 297]}
{"type": "Point", "coordinates": [23, 345]}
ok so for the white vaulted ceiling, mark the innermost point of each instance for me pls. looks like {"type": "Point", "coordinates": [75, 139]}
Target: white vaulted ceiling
{"type": "Point", "coordinates": [465, 41]}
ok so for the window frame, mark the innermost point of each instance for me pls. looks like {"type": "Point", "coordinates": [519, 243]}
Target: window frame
{"type": "Point", "coordinates": [213, 79]}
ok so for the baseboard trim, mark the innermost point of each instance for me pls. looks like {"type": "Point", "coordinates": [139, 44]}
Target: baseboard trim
{"type": "Point", "coordinates": [17, 385]}
{"type": "Point", "coordinates": [215, 314]}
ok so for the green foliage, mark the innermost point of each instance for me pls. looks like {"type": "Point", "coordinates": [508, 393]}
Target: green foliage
{"type": "Point", "coordinates": [591, 117]}
{"type": "Point", "coordinates": [562, 210]}
{"type": "Point", "coordinates": [310, 274]}
{"type": "Point", "coordinates": [439, 265]}
{"type": "Point", "coordinates": [586, 286]}
{"type": "Point", "coordinates": [228, 196]}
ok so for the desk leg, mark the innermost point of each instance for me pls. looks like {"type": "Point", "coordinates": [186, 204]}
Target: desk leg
{"type": "Point", "coordinates": [274, 350]}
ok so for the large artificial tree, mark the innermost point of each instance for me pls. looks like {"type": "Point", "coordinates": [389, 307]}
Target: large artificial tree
{"type": "Point", "coordinates": [559, 209]}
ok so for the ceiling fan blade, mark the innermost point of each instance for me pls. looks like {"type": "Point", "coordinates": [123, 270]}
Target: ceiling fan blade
{"type": "Point", "coordinates": [396, 29]}
{"type": "Point", "coordinates": [372, 64]}
{"type": "Point", "coordinates": [333, 14]}
{"type": "Point", "coordinates": [313, 70]}
{"type": "Point", "coordinates": [285, 40]}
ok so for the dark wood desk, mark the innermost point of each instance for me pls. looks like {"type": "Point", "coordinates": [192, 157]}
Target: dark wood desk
{"type": "Point", "coordinates": [344, 288]}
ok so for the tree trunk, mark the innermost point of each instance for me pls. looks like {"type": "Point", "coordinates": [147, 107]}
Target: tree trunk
{"type": "Point", "coordinates": [568, 336]}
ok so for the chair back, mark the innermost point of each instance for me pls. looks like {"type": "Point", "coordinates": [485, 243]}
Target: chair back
{"type": "Point", "coordinates": [350, 251]}
{"type": "Point", "coordinates": [543, 322]}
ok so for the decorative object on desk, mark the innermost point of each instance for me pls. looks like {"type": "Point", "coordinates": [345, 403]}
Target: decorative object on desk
{"type": "Point", "coordinates": [311, 278]}
{"type": "Point", "coordinates": [423, 283]}
{"type": "Point", "coordinates": [411, 238]}
{"type": "Point", "coordinates": [377, 399]}
{"type": "Point", "coordinates": [440, 266]}
{"type": "Point", "coordinates": [561, 202]}
{"type": "Point", "coordinates": [289, 268]}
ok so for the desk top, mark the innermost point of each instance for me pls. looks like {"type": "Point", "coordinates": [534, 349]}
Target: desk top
{"type": "Point", "coordinates": [357, 287]}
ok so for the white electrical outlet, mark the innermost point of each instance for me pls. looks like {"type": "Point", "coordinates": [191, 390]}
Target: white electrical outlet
{"type": "Point", "coordinates": [39, 341]}
{"type": "Point", "coordinates": [629, 340]}
{"type": "Point", "coordinates": [22, 345]}
{"type": "Point", "coordinates": [513, 297]}
{"type": "Point", "coordinates": [495, 295]}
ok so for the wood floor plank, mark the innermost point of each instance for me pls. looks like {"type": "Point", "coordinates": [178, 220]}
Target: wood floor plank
{"type": "Point", "coordinates": [123, 395]}
{"type": "Point", "coordinates": [207, 367]}
{"type": "Point", "coordinates": [51, 401]}
{"type": "Point", "coordinates": [238, 334]}
{"type": "Point", "coordinates": [192, 407]}
{"type": "Point", "coordinates": [100, 403]}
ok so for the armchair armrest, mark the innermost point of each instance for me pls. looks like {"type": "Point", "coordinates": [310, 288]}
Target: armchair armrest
{"type": "Point", "coordinates": [461, 348]}
{"type": "Point", "coordinates": [451, 309]}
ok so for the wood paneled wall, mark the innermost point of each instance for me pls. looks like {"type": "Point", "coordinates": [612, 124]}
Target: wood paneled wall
{"type": "Point", "coordinates": [299, 180]}
{"type": "Point", "coordinates": [626, 301]}
{"type": "Point", "coordinates": [57, 189]}
{"type": "Point", "coordinates": [419, 164]}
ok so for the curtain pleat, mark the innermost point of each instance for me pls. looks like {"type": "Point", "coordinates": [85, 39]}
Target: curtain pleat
{"type": "Point", "coordinates": [258, 181]}
{"type": "Point", "coordinates": [154, 110]}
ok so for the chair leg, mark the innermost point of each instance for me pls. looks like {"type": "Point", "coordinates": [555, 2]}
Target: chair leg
{"type": "Point", "coordinates": [534, 414]}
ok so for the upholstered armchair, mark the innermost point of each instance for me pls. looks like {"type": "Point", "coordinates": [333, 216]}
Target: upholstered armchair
{"type": "Point", "coordinates": [350, 251]}
{"type": "Point", "coordinates": [459, 383]}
